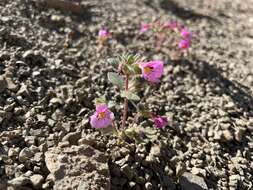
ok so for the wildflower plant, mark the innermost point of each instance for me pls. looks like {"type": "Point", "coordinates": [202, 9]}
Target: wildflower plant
{"type": "Point", "coordinates": [177, 36]}
{"type": "Point", "coordinates": [131, 73]}
{"type": "Point", "coordinates": [103, 37]}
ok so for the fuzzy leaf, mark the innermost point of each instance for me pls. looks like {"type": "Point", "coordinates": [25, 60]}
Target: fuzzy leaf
{"type": "Point", "coordinates": [114, 62]}
{"type": "Point", "coordinates": [100, 100]}
{"type": "Point", "coordinates": [141, 134]}
{"type": "Point", "coordinates": [108, 130]}
{"type": "Point", "coordinates": [116, 79]}
{"type": "Point", "coordinates": [149, 131]}
{"type": "Point", "coordinates": [129, 69]}
{"type": "Point", "coordinates": [131, 132]}
{"type": "Point", "coordinates": [111, 104]}
{"type": "Point", "coordinates": [130, 96]}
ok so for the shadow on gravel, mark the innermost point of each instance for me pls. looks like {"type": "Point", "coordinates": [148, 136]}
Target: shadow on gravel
{"type": "Point", "coordinates": [83, 16]}
{"type": "Point", "coordinates": [221, 85]}
{"type": "Point", "coordinates": [236, 91]}
{"type": "Point", "coordinates": [181, 12]}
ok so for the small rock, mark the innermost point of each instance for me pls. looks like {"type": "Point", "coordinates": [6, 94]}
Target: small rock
{"type": "Point", "coordinates": [155, 150]}
{"type": "Point", "coordinates": [239, 134]}
{"type": "Point", "coordinates": [139, 179]}
{"type": "Point", "coordinates": [180, 169]}
{"type": "Point", "coordinates": [9, 170]}
{"type": "Point", "coordinates": [198, 171]}
{"type": "Point", "coordinates": [27, 54]}
{"type": "Point", "coordinates": [30, 140]}
{"type": "Point", "coordinates": [72, 138]}
{"type": "Point", "coordinates": [36, 132]}
{"type": "Point", "coordinates": [188, 181]}
{"type": "Point", "coordinates": [19, 181]}
{"type": "Point", "coordinates": [132, 184]}
{"type": "Point", "coordinates": [38, 157]}
{"type": "Point", "coordinates": [52, 163]}
{"type": "Point", "coordinates": [124, 151]}
{"type": "Point", "coordinates": [11, 85]}
{"type": "Point", "coordinates": [41, 118]}
{"type": "Point", "coordinates": [23, 91]}
{"type": "Point", "coordinates": [227, 135]}
{"type": "Point", "coordinates": [148, 186]}
{"type": "Point", "coordinates": [126, 170]}
{"type": "Point", "coordinates": [13, 152]}
{"type": "Point", "coordinates": [3, 84]}
{"type": "Point", "coordinates": [25, 154]}
{"type": "Point", "coordinates": [37, 180]}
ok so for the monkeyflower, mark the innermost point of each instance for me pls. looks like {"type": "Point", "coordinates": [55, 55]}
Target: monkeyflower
{"type": "Point", "coordinates": [160, 121]}
{"type": "Point", "coordinates": [104, 33]}
{"type": "Point", "coordinates": [186, 34]}
{"type": "Point", "coordinates": [184, 44]}
{"type": "Point", "coordinates": [102, 118]}
{"type": "Point", "coordinates": [145, 27]}
{"type": "Point", "coordinates": [152, 70]}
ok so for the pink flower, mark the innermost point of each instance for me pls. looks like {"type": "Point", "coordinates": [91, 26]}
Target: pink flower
{"type": "Point", "coordinates": [104, 33]}
{"type": "Point", "coordinates": [186, 34]}
{"type": "Point", "coordinates": [171, 25]}
{"type": "Point", "coordinates": [145, 27]}
{"type": "Point", "coordinates": [184, 44]}
{"type": "Point", "coordinates": [152, 70]}
{"type": "Point", "coordinates": [102, 118]}
{"type": "Point", "coordinates": [160, 121]}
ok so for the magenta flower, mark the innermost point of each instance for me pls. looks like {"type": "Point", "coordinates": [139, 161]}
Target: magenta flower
{"type": "Point", "coordinates": [184, 44]}
{"type": "Point", "coordinates": [104, 33]}
{"type": "Point", "coordinates": [145, 27]}
{"type": "Point", "coordinates": [102, 118]}
{"type": "Point", "coordinates": [152, 70]}
{"type": "Point", "coordinates": [186, 34]}
{"type": "Point", "coordinates": [160, 121]}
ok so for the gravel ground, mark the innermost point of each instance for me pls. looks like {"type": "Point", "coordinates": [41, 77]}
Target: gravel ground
{"type": "Point", "coordinates": [51, 71]}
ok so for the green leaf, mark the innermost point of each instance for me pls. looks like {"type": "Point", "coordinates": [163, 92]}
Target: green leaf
{"type": "Point", "coordinates": [130, 96]}
{"type": "Point", "coordinates": [129, 69]}
{"type": "Point", "coordinates": [111, 104]}
{"type": "Point", "coordinates": [108, 130]}
{"type": "Point", "coordinates": [141, 134]}
{"type": "Point", "coordinates": [114, 62]}
{"type": "Point", "coordinates": [100, 100]}
{"type": "Point", "coordinates": [149, 131]}
{"type": "Point", "coordinates": [116, 79]}
{"type": "Point", "coordinates": [131, 132]}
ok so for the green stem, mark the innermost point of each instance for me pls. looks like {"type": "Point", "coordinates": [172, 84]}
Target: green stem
{"type": "Point", "coordinates": [125, 105]}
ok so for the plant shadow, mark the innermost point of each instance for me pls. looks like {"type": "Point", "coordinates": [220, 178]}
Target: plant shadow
{"type": "Point", "coordinates": [221, 85]}
{"type": "Point", "coordinates": [181, 12]}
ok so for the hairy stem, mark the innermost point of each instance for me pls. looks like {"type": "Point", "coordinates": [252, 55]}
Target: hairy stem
{"type": "Point", "coordinates": [125, 105]}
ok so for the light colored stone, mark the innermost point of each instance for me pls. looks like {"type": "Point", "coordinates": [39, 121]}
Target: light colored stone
{"type": "Point", "coordinates": [78, 167]}
{"type": "Point", "coordinates": [37, 180]}
{"type": "Point", "coordinates": [188, 181]}
{"type": "Point", "coordinates": [25, 154]}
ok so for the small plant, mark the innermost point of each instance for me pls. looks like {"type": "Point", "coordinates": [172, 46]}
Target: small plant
{"type": "Point", "coordinates": [132, 71]}
{"type": "Point", "coordinates": [179, 37]}
{"type": "Point", "coordinates": [103, 37]}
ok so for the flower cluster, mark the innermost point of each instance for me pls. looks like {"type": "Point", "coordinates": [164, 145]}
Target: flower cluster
{"type": "Point", "coordinates": [185, 42]}
{"type": "Point", "coordinates": [132, 72]}
{"type": "Point", "coordinates": [163, 29]}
